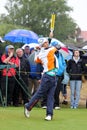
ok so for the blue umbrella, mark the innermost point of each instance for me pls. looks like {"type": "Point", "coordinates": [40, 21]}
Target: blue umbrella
{"type": "Point", "coordinates": [21, 36]}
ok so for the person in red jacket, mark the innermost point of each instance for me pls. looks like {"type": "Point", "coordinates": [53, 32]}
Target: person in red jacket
{"type": "Point", "coordinates": [9, 59]}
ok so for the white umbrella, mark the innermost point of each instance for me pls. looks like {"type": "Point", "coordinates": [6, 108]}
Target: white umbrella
{"type": "Point", "coordinates": [84, 47]}
{"type": "Point", "coordinates": [30, 45]}
{"type": "Point", "coordinates": [53, 40]}
{"type": "Point", "coordinates": [1, 40]}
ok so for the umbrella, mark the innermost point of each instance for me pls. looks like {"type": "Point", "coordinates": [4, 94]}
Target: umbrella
{"type": "Point", "coordinates": [21, 36]}
{"type": "Point", "coordinates": [84, 47]}
{"type": "Point", "coordinates": [30, 45]}
{"type": "Point", "coordinates": [64, 51]}
{"type": "Point", "coordinates": [1, 40]}
{"type": "Point", "coordinates": [69, 55]}
{"type": "Point", "coordinates": [55, 40]}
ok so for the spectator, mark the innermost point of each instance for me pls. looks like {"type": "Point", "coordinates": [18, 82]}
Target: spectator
{"type": "Point", "coordinates": [9, 59]}
{"type": "Point", "coordinates": [31, 50]}
{"type": "Point", "coordinates": [64, 93]}
{"type": "Point", "coordinates": [74, 68]}
{"type": "Point", "coordinates": [33, 82]}
{"type": "Point", "coordinates": [26, 51]}
{"type": "Point", "coordinates": [0, 70]}
{"type": "Point", "coordinates": [60, 75]}
{"type": "Point", "coordinates": [64, 87]}
{"type": "Point", "coordinates": [22, 77]}
{"type": "Point", "coordinates": [0, 74]}
{"type": "Point", "coordinates": [26, 54]}
{"type": "Point", "coordinates": [84, 62]}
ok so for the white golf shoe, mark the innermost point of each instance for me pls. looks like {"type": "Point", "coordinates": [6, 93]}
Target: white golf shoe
{"type": "Point", "coordinates": [26, 112]}
{"type": "Point", "coordinates": [48, 118]}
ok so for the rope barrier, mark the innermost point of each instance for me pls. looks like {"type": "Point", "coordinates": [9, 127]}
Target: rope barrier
{"type": "Point", "coordinates": [12, 66]}
{"type": "Point", "coordinates": [4, 100]}
{"type": "Point", "coordinates": [26, 91]}
{"type": "Point", "coordinates": [23, 72]}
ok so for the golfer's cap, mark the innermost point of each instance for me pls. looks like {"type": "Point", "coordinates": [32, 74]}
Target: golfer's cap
{"type": "Point", "coordinates": [41, 41]}
{"type": "Point", "coordinates": [10, 47]}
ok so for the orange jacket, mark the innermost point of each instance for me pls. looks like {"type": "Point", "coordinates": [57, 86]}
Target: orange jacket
{"type": "Point", "coordinates": [47, 58]}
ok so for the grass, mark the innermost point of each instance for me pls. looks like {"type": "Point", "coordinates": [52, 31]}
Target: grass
{"type": "Point", "coordinates": [12, 118]}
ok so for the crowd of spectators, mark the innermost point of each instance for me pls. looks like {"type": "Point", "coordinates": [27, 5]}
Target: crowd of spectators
{"type": "Point", "coordinates": [21, 77]}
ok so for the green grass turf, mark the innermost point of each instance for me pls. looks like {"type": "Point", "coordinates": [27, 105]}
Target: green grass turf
{"type": "Point", "coordinates": [12, 118]}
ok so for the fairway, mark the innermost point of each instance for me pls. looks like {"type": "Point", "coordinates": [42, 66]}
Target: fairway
{"type": "Point", "coordinates": [12, 118]}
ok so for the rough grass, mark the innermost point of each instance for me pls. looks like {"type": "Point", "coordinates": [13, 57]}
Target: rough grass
{"type": "Point", "coordinates": [65, 119]}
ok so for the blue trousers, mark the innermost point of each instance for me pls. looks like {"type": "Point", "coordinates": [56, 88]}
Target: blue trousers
{"type": "Point", "coordinates": [47, 87]}
{"type": "Point", "coordinates": [75, 87]}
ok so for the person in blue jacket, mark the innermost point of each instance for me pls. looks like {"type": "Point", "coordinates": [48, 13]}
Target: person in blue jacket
{"type": "Point", "coordinates": [34, 75]}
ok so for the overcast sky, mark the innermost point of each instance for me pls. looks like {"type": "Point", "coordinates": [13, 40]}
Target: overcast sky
{"type": "Point", "coordinates": [2, 3]}
{"type": "Point", "coordinates": [78, 14]}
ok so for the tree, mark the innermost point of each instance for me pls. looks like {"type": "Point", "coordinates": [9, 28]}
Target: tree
{"type": "Point", "coordinates": [36, 15]}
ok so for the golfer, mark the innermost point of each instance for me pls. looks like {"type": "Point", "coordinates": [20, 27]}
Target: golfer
{"type": "Point", "coordinates": [46, 56]}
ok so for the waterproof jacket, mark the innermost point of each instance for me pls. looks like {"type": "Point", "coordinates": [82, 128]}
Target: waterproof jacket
{"type": "Point", "coordinates": [33, 66]}
{"type": "Point", "coordinates": [62, 64]}
{"type": "Point", "coordinates": [75, 69]}
{"type": "Point", "coordinates": [24, 68]}
{"type": "Point", "coordinates": [11, 71]}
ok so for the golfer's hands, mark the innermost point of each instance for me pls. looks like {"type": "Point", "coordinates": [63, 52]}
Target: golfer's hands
{"type": "Point", "coordinates": [51, 34]}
